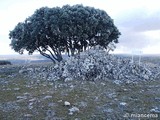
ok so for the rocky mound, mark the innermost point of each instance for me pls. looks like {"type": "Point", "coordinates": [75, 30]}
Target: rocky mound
{"type": "Point", "coordinates": [94, 64]}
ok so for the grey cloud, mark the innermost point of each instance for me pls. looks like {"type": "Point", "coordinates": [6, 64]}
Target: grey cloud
{"type": "Point", "coordinates": [130, 40]}
{"type": "Point", "coordinates": [132, 25]}
{"type": "Point", "coordinates": [140, 20]}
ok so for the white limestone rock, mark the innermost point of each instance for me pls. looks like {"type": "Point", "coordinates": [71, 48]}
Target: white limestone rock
{"type": "Point", "coordinates": [73, 110]}
{"type": "Point", "coordinates": [47, 97]}
{"type": "Point", "coordinates": [66, 103]}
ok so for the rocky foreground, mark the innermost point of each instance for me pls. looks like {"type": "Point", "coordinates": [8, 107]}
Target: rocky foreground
{"type": "Point", "coordinates": [92, 86]}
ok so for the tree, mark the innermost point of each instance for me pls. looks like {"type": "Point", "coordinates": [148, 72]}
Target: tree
{"type": "Point", "coordinates": [71, 29]}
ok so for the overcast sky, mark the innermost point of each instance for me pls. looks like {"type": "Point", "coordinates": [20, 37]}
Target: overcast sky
{"type": "Point", "coordinates": [137, 20]}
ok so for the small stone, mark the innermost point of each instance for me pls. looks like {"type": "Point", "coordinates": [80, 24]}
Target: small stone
{"type": "Point", "coordinates": [8, 89]}
{"type": "Point", "coordinates": [146, 77]}
{"type": "Point", "coordinates": [83, 104]}
{"type": "Point", "coordinates": [103, 84]}
{"type": "Point", "coordinates": [72, 86]}
{"type": "Point", "coordinates": [96, 98]}
{"type": "Point", "coordinates": [50, 113]}
{"type": "Point", "coordinates": [68, 79]}
{"type": "Point", "coordinates": [44, 85]}
{"type": "Point", "coordinates": [109, 110]}
{"type": "Point", "coordinates": [47, 97]}
{"type": "Point", "coordinates": [77, 119]}
{"type": "Point", "coordinates": [157, 99]}
{"type": "Point", "coordinates": [51, 84]}
{"type": "Point", "coordinates": [23, 71]}
{"type": "Point", "coordinates": [30, 106]}
{"type": "Point", "coordinates": [30, 69]}
{"type": "Point", "coordinates": [21, 97]}
{"type": "Point", "coordinates": [123, 103]}
{"type": "Point", "coordinates": [118, 82]}
{"type": "Point", "coordinates": [112, 95]}
{"type": "Point", "coordinates": [51, 104]}
{"type": "Point", "coordinates": [73, 110]}
{"type": "Point", "coordinates": [66, 103]}
{"type": "Point", "coordinates": [70, 113]}
{"type": "Point", "coordinates": [28, 86]}
{"type": "Point", "coordinates": [125, 90]}
{"type": "Point", "coordinates": [28, 115]}
{"type": "Point", "coordinates": [20, 100]}
{"type": "Point", "coordinates": [59, 101]}
{"type": "Point", "coordinates": [32, 100]}
{"type": "Point", "coordinates": [155, 110]}
{"type": "Point", "coordinates": [38, 82]}
{"type": "Point", "coordinates": [16, 89]}
{"type": "Point", "coordinates": [27, 94]}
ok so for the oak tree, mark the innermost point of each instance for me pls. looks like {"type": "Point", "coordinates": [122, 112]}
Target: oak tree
{"type": "Point", "coordinates": [71, 29]}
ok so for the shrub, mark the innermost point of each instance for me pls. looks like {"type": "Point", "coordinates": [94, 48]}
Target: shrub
{"type": "Point", "coordinates": [5, 62]}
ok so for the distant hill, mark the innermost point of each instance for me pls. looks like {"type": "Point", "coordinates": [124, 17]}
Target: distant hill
{"type": "Point", "coordinates": [25, 59]}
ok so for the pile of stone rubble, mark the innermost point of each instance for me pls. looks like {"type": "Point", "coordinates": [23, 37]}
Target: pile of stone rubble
{"type": "Point", "coordinates": [94, 64]}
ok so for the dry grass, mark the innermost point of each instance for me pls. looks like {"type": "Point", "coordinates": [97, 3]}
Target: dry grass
{"type": "Point", "coordinates": [98, 97]}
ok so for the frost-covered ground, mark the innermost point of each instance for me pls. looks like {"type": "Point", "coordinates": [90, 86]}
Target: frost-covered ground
{"type": "Point", "coordinates": [61, 92]}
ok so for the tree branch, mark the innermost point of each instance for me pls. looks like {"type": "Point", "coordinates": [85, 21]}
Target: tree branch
{"type": "Point", "coordinates": [45, 55]}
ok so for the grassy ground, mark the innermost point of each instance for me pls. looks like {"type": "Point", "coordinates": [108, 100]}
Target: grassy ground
{"type": "Point", "coordinates": [24, 99]}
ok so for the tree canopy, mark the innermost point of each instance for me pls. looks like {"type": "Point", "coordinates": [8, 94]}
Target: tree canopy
{"type": "Point", "coordinates": [71, 29]}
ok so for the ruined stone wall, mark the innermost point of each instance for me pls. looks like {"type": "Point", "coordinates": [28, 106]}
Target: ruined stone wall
{"type": "Point", "coordinates": [95, 64]}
